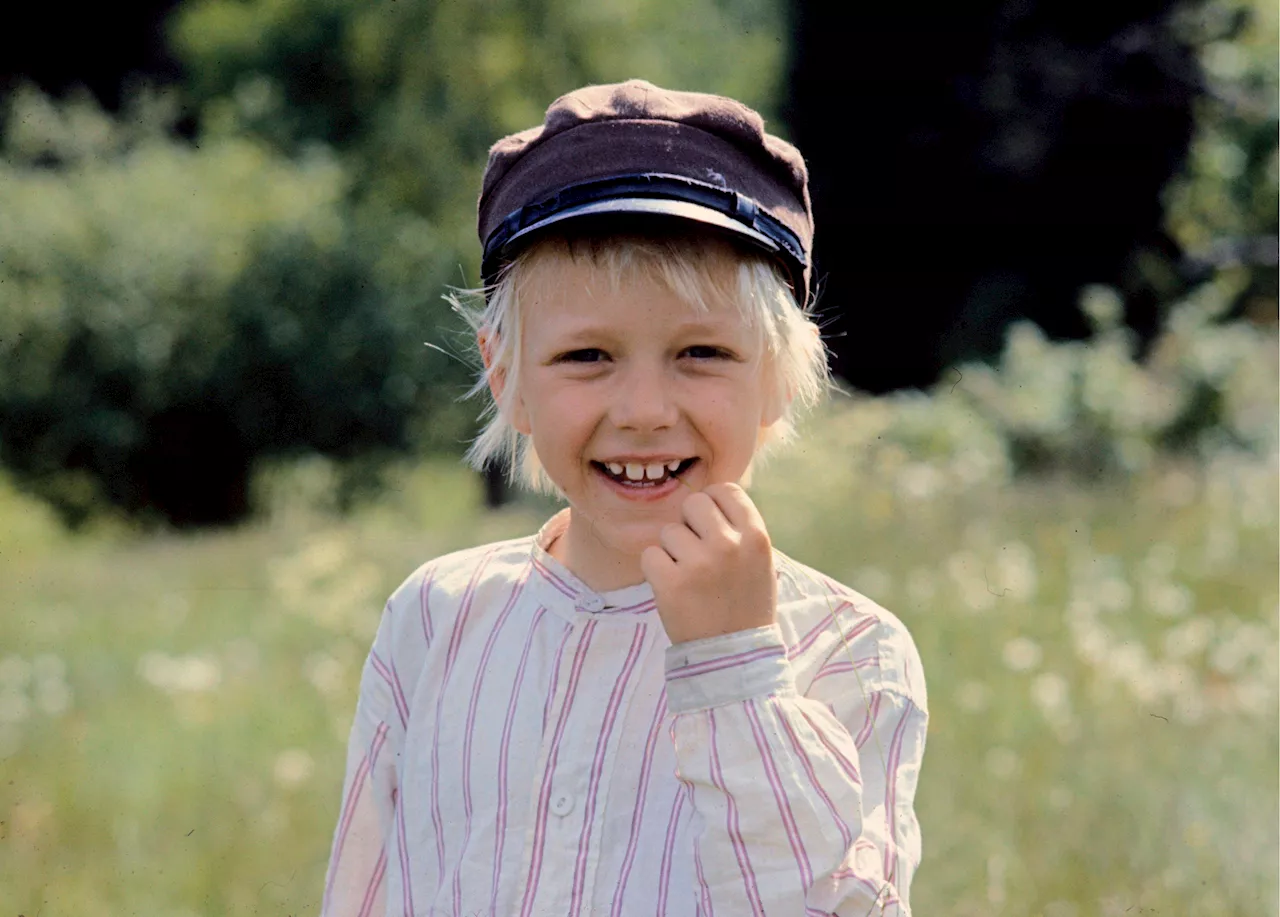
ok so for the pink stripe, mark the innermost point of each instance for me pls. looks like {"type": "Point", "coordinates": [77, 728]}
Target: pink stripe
{"type": "Point", "coordinates": [641, 608]}
{"type": "Point", "coordinates": [734, 828]}
{"type": "Point", "coordinates": [504, 761]}
{"type": "Point", "coordinates": [406, 874]}
{"type": "Point", "coordinates": [804, 643]}
{"type": "Point", "coordinates": [873, 711]}
{"type": "Point", "coordinates": [779, 793]}
{"type": "Point", "coordinates": [375, 881]}
{"type": "Point", "coordinates": [725, 662]}
{"type": "Point", "coordinates": [455, 641]}
{"type": "Point", "coordinates": [597, 767]}
{"type": "Point", "coordinates": [544, 797]}
{"type": "Point", "coordinates": [397, 693]}
{"type": "Point", "coordinates": [849, 768]}
{"type": "Point", "coordinates": [555, 677]}
{"type": "Point", "coordinates": [846, 833]}
{"type": "Point", "coordinates": [424, 605]}
{"type": "Point", "coordinates": [664, 873]}
{"type": "Point", "coordinates": [891, 793]}
{"type": "Point", "coordinates": [704, 890]}
{"type": "Point", "coordinates": [553, 579]}
{"type": "Point", "coordinates": [637, 812]}
{"type": "Point", "coordinates": [470, 734]}
{"type": "Point", "coordinates": [353, 796]}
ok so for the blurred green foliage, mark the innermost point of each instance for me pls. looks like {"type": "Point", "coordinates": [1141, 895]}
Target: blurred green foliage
{"type": "Point", "coordinates": [1222, 209]}
{"type": "Point", "coordinates": [414, 92]}
{"type": "Point", "coordinates": [174, 310]}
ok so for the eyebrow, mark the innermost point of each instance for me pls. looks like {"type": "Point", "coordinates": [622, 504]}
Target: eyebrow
{"type": "Point", "coordinates": [597, 332]}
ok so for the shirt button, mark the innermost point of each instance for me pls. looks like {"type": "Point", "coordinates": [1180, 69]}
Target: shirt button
{"type": "Point", "coordinates": [590, 602]}
{"type": "Point", "coordinates": [562, 804]}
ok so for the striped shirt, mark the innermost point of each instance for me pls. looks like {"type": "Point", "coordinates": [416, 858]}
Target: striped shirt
{"type": "Point", "coordinates": [525, 746]}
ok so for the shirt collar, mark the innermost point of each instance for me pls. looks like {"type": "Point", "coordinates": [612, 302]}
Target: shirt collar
{"type": "Point", "coordinates": [561, 589]}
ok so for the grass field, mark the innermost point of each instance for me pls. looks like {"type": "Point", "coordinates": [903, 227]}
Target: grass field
{"type": "Point", "coordinates": [1102, 667]}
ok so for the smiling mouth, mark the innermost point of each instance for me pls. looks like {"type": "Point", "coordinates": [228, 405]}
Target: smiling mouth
{"type": "Point", "coordinates": [643, 476]}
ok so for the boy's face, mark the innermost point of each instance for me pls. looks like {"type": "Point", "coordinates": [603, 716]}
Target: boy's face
{"type": "Point", "coordinates": [622, 383]}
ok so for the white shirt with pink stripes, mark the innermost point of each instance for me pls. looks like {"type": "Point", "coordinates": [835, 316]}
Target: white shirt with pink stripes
{"type": "Point", "coordinates": [525, 746]}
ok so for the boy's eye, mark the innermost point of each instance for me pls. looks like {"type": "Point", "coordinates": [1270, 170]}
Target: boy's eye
{"type": "Point", "coordinates": [586, 355]}
{"type": "Point", "coordinates": [706, 352]}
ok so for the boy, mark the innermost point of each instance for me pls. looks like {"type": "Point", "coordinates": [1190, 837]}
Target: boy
{"type": "Point", "coordinates": [643, 709]}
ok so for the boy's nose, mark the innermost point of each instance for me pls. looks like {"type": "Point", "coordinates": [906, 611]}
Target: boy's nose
{"type": "Point", "coordinates": [644, 401]}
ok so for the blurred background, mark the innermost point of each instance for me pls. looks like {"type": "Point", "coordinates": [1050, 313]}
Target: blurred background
{"type": "Point", "coordinates": [231, 413]}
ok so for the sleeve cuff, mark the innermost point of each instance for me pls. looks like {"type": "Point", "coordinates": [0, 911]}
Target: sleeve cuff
{"type": "Point", "coordinates": [724, 670]}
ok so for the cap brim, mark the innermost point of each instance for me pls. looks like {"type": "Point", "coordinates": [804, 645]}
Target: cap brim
{"type": "Point", "coordinates": [647, 207]}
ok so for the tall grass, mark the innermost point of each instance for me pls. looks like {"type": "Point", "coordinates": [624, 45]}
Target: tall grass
{"type": "Point", "coordinates": [1102, 670]}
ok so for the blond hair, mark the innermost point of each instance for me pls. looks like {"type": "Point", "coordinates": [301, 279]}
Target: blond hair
{"type": "Point", "coordinates": [699, 269]}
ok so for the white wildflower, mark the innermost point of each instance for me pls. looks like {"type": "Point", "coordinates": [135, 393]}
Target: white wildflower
{"type": "Point", "coordinates": [1049, 691]}
{"type": "Point", "coordinates": [873, 583]}
{"type": "Point", "coordinates": [1161, 560]}
{"type": "Point", "coordinates": [180, 674]}
{"type": "Point", "coordinates": [293, 767]}
{"type": "Point", "coordinates": [973, 696]}
{"type": "Point", "coordinates": [1169, 600]}
{"type": "Point", "coordinates": [325, 673]}
{"type": "Point", "coordinates": [1189, 638]}
{"type": "Point", "coordinates": [1016, 570]}
{"type": "Point", "coordinates": [1114, 594]}
{"type": "Point", "coordinates": [919, 481]}
{"type": "Point", "coordinates": [1060, 797]}
{"type": "Point", "coordinates": [1022, 654]}
{"type": "Point", "coordinates": [53, 697]}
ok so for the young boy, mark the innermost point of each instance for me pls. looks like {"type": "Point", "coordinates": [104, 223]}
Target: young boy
{"type": "Point", "coordinates": [643, 709]}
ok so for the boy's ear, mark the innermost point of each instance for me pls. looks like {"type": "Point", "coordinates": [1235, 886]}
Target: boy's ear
{"type": "Point", "coordinates": [517, 415]}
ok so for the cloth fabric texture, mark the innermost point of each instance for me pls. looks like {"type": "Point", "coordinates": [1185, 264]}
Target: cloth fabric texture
{"type": "Point", "coordinates": [707, 143]}
{"type": "Point", "coordinates": [525, 746]}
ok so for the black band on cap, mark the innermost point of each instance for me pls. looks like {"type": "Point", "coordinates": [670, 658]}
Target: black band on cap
{"type": "Point", "coordinates": [648, 185]}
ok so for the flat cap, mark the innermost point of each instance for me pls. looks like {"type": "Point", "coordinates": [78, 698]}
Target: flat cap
{"type": "Point", "coordinates": [632, 151]}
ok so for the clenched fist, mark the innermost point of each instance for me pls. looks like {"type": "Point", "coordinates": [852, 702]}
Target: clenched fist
{"type": "Point", "coordinates": [713, 573]}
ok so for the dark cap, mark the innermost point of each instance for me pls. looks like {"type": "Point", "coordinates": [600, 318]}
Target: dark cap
{"type": "Point", "coordinates": [632, 150]}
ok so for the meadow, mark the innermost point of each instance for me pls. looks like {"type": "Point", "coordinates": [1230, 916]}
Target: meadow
{"type": "Point", "coordinates": [1101, 656]}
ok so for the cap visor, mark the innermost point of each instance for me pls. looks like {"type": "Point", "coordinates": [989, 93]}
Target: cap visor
{"type": "Point", "coordinates": [647, 207]}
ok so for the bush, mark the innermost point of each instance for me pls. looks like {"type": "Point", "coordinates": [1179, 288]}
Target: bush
{"type": "Point", "coordinates": [173, 313]}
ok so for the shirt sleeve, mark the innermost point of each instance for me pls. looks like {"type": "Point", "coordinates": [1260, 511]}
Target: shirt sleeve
{"type": "Point", "coordinates": [792, 816]}
{"type": "Point", "coordinates": [355, 883]}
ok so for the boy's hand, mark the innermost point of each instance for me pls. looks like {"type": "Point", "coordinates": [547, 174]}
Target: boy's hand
{"type": "Point", "coordinates": [713, 573]}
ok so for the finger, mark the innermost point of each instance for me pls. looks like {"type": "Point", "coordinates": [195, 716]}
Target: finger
{"type": "Point", "coordinates": [655, 564]}
{"type": "Point", "coordinates": [736, 506]}
{"type": "Point", "coordinates": [679, 541]}
{"type": "Point", "coordinates": [703, 516]}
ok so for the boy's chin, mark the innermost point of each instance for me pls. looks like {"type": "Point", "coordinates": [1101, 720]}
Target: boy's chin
{"type": "Point", "coordinates": [629, 537]}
